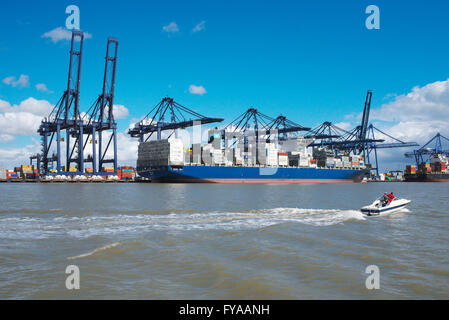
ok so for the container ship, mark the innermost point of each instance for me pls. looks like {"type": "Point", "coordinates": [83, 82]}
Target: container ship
{"type": "Point", "coordinates": [245, 162]}
{"type": "Point", "coordinates": [435, 170]}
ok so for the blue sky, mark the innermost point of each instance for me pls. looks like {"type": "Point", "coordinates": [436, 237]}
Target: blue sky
{"type": "Point", "coordinates": [309, 61]}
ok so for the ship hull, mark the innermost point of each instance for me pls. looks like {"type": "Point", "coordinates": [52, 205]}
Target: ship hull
{"type": "Point", "coordinates": [222, 174]}
{"type": "Point", "coordinates": [427, 177]}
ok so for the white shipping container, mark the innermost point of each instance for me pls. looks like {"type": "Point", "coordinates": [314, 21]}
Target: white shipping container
{"type": "Point", "coordinates": [283, 160]}
{"type": "Point", "coordinates": [176, 151]}
{"type": "Point", "coordinates": [272, 161]}
{"type": "Point", "coordinates": [304, 162]}
{"type": "Point", "coordinates": [2, 173]}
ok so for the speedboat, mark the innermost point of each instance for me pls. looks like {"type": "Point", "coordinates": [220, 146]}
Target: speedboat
{"type": "Point", "coordinates": [380, 206]}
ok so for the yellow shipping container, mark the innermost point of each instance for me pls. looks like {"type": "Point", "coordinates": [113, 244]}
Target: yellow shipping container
{"type": "Point", "coordinates": [27, 167]}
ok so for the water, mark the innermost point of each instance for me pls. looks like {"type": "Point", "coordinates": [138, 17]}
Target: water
{"type": "Point", "coordinates": [213, 241]}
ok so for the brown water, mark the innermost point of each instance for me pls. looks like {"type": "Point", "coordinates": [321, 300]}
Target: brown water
{"type": "Point", "coordinates": [211, 241]}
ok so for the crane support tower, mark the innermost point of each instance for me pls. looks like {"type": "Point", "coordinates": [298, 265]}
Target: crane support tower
{"type": "Point", "coordinates": [65, 116]}
{"type": "Point", "coordinates": [100, 116]}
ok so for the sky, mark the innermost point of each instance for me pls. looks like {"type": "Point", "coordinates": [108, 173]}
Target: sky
{"type": "Point", "coordinates": [310, 61]}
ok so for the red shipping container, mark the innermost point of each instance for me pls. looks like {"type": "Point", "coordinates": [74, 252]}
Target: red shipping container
{"type": "Point", "coordinates": [127, 175]}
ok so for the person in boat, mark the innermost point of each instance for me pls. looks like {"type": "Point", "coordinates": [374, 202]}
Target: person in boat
{"type": "Point", "coordinates": [390, 197]}
{"type": "Point", "coordinates": [384, 199]}
{"type": "Point", "coordinates": [387, 198]}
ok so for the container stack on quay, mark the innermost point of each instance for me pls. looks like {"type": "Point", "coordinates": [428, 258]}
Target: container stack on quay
{"type": "Point", "coordinates": [126, 173]}
{"type": "Point", "coordinates": [23, 173]}
{"type": "Point", "coordinates": [392, 176]}
{"type": "Point", "coordinates": [2, 174]}
{"type": "Point", "coordinates": [28, 173]}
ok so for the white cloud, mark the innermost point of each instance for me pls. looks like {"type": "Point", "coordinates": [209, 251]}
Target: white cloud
{"type": "Point", "coordinates": [416, 116]}
{"type": "Point", "coordinates": [120, 111]}
{"type": "Point", "coordinates": [60, 34]}
{"type": "Point", "coordinates": [126, 148]}
{"type": "Point", "coordinates": [427, 103]}
{"type": "Point", "coordinates": [4, 106]}
{"type": "Point", "coordinates": [19, 123]}
{"type": "Point", "coordinates": [8, 80]}
{"type": "Point", "coordinates": [344, 125]}
{"type": "Point", "coordinates": [193, 89]}
{"type": "Point", "coordinates": [11, 157]}
{"type": "Point", "coordinates": [199, 27]}
{"type": "Point", "coordinates": [30, 105]}
{"type": "Point", "coordinates": [133, 122]}
{"type": "Point", "coordinates": [22, 119]}
{"type": "Point", "coordinates": [42, 87]}
{"type": "Point", "coordinates": [172, 27]}
{"type": "Point", "coordinates": [6, 138]}
{"type": "Point", "coordinates": [22, 82]}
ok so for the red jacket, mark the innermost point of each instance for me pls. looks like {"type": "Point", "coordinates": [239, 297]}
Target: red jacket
{"type": "Point", "coordinates": [390, 197]}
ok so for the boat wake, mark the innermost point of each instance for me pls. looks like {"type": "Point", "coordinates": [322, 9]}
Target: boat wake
{"type": "Point", "coordinates": [109, 246]}
{"type": "Point", "coordinates": [316, 217]}
{"type": "Point", "coordinates": [44, 227]}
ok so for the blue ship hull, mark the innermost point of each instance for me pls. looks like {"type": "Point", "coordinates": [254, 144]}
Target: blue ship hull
{"type": "Point", "coordinates": [222, 174]}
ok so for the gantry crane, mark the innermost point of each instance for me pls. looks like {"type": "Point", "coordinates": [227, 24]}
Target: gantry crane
{"type": "Point", "coordinates": [66, 115]}
{"type": "Point", "coordinates": [431, 147]}
{"type": "Point", "coordinates": [362, 140]}
{"type": "Point", "coordinates": [100, 116]}
{"type": "Point", "coordinates": [180, 117]}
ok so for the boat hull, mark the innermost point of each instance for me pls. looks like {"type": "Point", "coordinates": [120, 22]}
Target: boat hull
{"type": "Point", "coordinates": [384, 210]}
{"type": "Point", "coordinates": [222, 174]}
{"type": "Point", "coordinates": [427, 177]}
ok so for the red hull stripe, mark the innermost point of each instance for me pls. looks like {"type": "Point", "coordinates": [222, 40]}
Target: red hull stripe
{"type": "Point", "coordinates": [255, 180]}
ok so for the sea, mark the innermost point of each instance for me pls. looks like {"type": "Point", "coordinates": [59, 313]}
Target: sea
{"type": "Point", "coordinates": [221, 241]}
